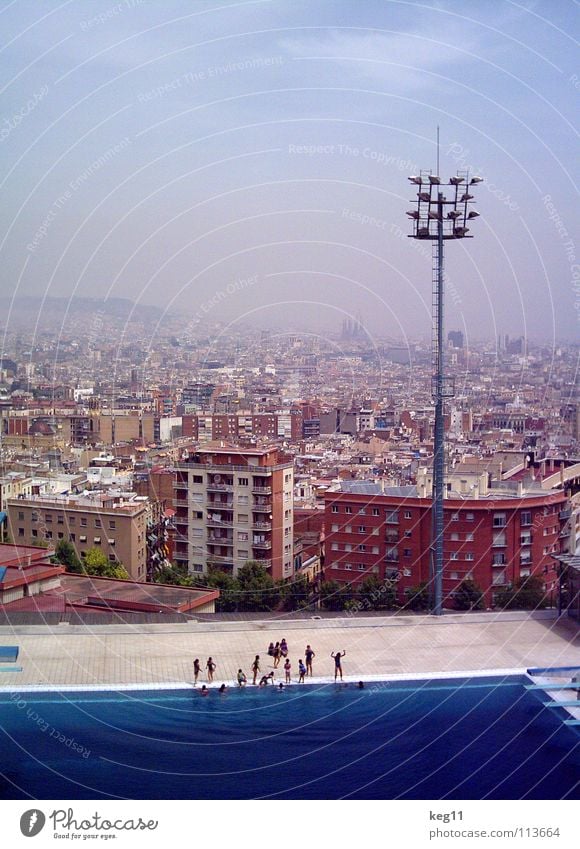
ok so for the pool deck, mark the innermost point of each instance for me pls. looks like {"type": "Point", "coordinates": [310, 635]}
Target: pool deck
{"type": "Point", "coordinates": [113, 656]}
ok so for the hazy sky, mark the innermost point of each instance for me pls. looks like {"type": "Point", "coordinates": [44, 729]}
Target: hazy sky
{"type": "Point", "coordinates": [250, 159]}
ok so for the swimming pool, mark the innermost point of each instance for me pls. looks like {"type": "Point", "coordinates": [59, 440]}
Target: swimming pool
{"type": "Point", "coordinates": [469, 738]}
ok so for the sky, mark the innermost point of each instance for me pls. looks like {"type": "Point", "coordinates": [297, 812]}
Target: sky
{"type": "Point", "coordinates": [248, 161]}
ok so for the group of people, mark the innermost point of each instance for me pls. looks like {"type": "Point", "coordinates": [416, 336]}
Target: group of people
{"type": "Point", "coordinates": [276, 651]}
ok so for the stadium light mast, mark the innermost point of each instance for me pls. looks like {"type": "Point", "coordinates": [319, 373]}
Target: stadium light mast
{"type": "Point", "coordinates": [442, 212]}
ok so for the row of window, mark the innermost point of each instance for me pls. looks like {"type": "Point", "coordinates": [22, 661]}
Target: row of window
{"type": "Point", "coordinates": [71, 520]}
{"type": "Point", "coordinates": [60, 535]}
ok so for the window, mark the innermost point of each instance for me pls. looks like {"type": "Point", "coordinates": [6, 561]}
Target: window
{"type": "Point", "coordinates": [243, 518]}
{"type": "Point", "coordinates": [334, 546]}
{"type": "Point", "coordinates": [392, 554]}
{"type": "Point", "coordinates": [197, 532]}
{"type": "Point", "coordinates": [112, 558]}
{"type": "Point", "coordinates": [376, 511]}
{"type": "Point", "coordinates": [242, 536]}
{"type": "Point", "coordinates": [407, 514]}
{"type": "Point", "coordinates": [98, 523]}
{"type": "Point", "coordinates": [48, 535]}
{"type": "Point", "coordinates": [112, 524]}
{"type": "Point", "coordinates": [499, 559]}
{"type": "Point", "coordinates": [454, 537]}
{"type": "Point", "coordinates": [83, 553]}
{"type": "Point", "coordinates": [20, 515]}
{"type": "Point", "coordinates": [392, 517]}
{"type": "Point", "coordinates": [348, 509]}
{"type": "Point", "coordinates": [348, 566]}
{"type": "Point", "coordinates": [469, 517]}
{"type": "Point", "coordinates": [362, 511]}
{"type": "Point", "coordinates": [407, 573]}
{"type": "Point", "coordinates": [455, 517]}
{"type": "Point", "coordinates": [72, 537]}
{"type": "Point", "coordinates": [60, 520]}
{"type": "Point", "coordinates": [348, 547]}
{"type": "Point", "coordinates": [361, 548]}
{"type": "Point", "coordinates": [34, 532]}
{"type": "Point", "coordinates": [97, 540]}
{"type": "Point", "coordinates": [84, 521]}
{"type": "Point", "coordinates": [334, 527]}
{"type": "Point", "coordinates": [407, 534]}
{"type": "Point", "coordinates": [469, 537]}
{"type": "Point", "coordinates": [243, 481]}
{"type": "Point", "coordinates": [375, 549]}
{"type": "Point", "coordinates": [499, 540]}
{"type": "Point", "coordinates": [526, 538]}
{"type": "Point", "coordinates": [454, 555]}
{"type": "Point", "coordinates": [243, 500]}
{"type": "Point", "coordinates": [34, 516]}
{"type": "Point", "coordinates": [362, 529]}
{"type": "Point", "coordinates": [20, 532]}
{"type": "Point", "coordinates": [361, 567]}
{"type": "Point", "coordinates": [499, 520]}
{"type": "Point", "coordinates": [60, 535]}
{"type": "Point", "coordinates": [197, 479]}
{"type": "Point", "coordinates": [406, 552]}
{"type": "Point", "coordinates": [110, 541]}
{"type": "Point", "coordinates": [525, 518]}
{"type": "Point", "coordinates": [453, 576]}
{"type": "Point", "coordinates": [348, 529]}
{"type": "Point", "coordinates": [469, 555]}
{"type": "Point", "coordinates": [82, 538]}
{"type": "Point", "coordinates": [71, 520]}
{"type": "Point", "coordinates": [334, 508]}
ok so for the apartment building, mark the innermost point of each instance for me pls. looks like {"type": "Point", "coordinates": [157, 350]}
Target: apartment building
{"type": "Point", "coordinates": [233, 505]}
{"type": "Point", "coordinates": [114, 524]}
{"type": "Point", "coordinates": [493, 539]}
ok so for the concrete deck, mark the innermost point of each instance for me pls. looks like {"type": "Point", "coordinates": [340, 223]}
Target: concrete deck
{"type": "Point", "coordinates": [162, 655]}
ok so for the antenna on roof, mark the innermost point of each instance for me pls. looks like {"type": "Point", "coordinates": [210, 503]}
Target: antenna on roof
{"type": "Point", "coordinates": [438, 172]}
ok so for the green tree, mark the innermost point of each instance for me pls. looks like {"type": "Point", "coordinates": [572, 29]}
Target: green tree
{"type": "Point", "coordinates": [96, 563]}
{"type": "Point", "coordinates": [257, 589]}
{"type": "Point", "coordinates": [333, 595]}
{"type": "Point", "coordinates": [418, 597]}
{"type": "Point", "coordinates": [296, 594]}
{"type": "Point", "coordinates": [468, 596]}
{"type": "Point", "coordinates": [173, 576]}
{"type": "Point", "coordinates": [377, 595]}
{"type": "Point", "coordinates": [66, 555]}
{"type": "Point", "coordinates": [526, 594]}
{"type": "Point", "coordinates": [228, 587]}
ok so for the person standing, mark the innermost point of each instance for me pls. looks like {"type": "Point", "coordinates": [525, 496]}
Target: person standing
{"type": "Point", "coordinates": [210, 666]}
{"type": "Point", "coordinates": [308, 655]}
{"type": "Point", "coordinates": [284, 648]}
{"type": "Point", "coordinates": [301, 672]}
{"type": "Point", "coordinates": [287, 669]}
{"type": "Point", "coordinates": [256, 668]}
{"type": "Point", "coordinates": [196, 670]}
{"type": "Point", "coordinates": [277, 655]}
{"type": "Point", "coordinates": [337, 663]}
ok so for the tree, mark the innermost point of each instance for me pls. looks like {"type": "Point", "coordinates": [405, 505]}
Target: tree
{"type": "Point", "coordinates": [377, 595]}
{"type": "Point", "coordinates": [95, 563]}
{"type": "Point", "coordinates": [526, 594]}
{"type": "Point", "coordinates": [333, 595]}
{"type": "Point", "coordinates": [418, 597]}
{"type": "Point", "coordinates": [66, 555]}
{"type": "Point", "coordinates": [226, 584]}
{"type": "Point", "coordinates": [295, 594]}
{"type": "Point", "coordinates": [257, 589]}
{"type": "Point", "coordinates": [468, 596]}
{"type": "Point", "coordinates": [173, 576]}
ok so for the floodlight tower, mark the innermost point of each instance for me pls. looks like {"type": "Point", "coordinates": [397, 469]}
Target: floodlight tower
{"type": "Point", "coordinates": [442, 212]}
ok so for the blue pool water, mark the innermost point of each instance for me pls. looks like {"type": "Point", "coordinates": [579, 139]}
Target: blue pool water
{"type": "Point", "coordinates": [458, 739]}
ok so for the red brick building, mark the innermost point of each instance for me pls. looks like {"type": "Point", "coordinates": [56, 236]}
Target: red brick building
{"type": "Point", "coordinates": [494, 540]}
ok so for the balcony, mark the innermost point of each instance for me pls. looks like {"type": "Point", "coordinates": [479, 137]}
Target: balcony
{"type": "Point", "coordinates": [214, 540]}
{"type": "Point", "coordinates": [262, 526]}
{"type": "Point", "coordinates": [499, 580]}
{"type": "Point", "coordinates": [220, 505]}
{"type": "Point", "coordinates": [220, 561]}
{"type": "Point", "coordinates": [265, 544]}
{"type": "Point", "coordinates": [181, 502]}
{"type": "Point", "coordinates": [262, 490]}
{"type": "Point", "coordinates": [262, 508]}
{"type": "Point", "coordinates": [217, 523]}
{"type": "Point", "coordinates": [219, 487]}
{"type": "Point", "coordinates": [180, 557]}
{"type": "Point", "coordinates": [563, 515]}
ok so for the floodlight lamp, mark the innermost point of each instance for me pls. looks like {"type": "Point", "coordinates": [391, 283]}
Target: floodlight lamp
{"type": "Point", "coordinates": [434, 214]}
{"type": "Point", "coordinates": [473, 214]}
{"type": "Point", "coordinates": [464, 198]}
{"type": "Point", "coordinates": [454, 214]}
{"type": "Point", "coordinates": [424, 196]}
{"type": "Point", "coordinates": [455, 181]}
{"type": "Point", "coordinates": [414, 179]}
{"type": "Point", "coordinates": [460, 231]}
{"type": "Point", "coordinates": [423, 231]}
{"type": "Point", "coordinates": [475, 180]}
{"type": "Point", "coordinates": [434, 180]}
{"type": "Point", "coordinates": [413, 213]}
